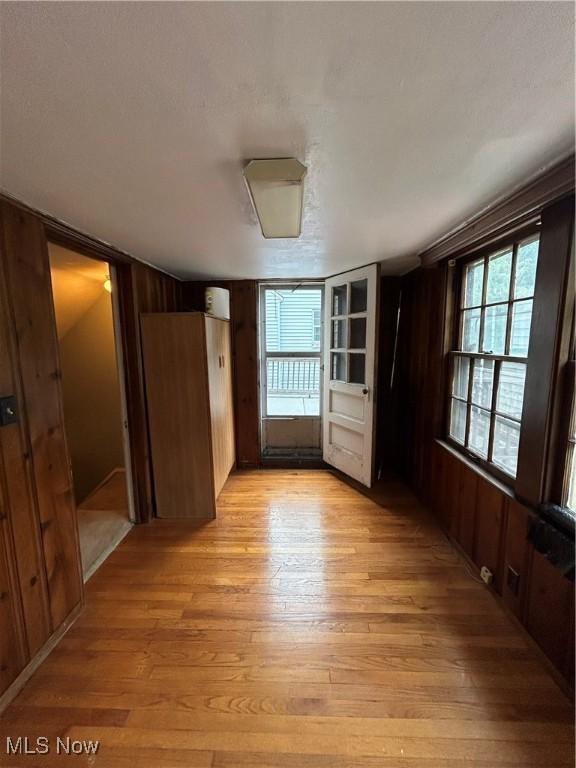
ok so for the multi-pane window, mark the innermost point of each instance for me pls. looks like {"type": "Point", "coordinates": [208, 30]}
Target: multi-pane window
{"type": "Point", "coordinates": [316, 326]}
{"type": "Point", "coordinates": [489, 362]}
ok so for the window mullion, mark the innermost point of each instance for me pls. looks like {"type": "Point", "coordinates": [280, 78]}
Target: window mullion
{"type": "Point", "coordinates": [495, 384]}
{"type": "Point", "coordinates": [510, 299]}
{"type": "Point", "coordinates": [483, 307]}
{"type": "Point", "coordinates": [469, 401]}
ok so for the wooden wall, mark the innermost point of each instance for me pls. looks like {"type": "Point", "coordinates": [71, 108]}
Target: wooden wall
{"type": "Point", "coordinates": [486, 519]}
{"type": "Point", "coordinates": [244, 327]}
{"type": "Point", "coordinates": [141, 289]}
{"type": "Point", "coordinates": [39, 560]}
{"type": "Point", "coordinates": [40, 571]}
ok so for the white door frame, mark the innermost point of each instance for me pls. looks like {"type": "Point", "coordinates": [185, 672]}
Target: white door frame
{"type": "Point", "coordinates": [304, 424]}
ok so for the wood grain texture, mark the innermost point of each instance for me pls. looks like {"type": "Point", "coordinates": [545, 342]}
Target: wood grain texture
{"type": "Point", "coordinates": [244, 337]}
{"type": "Point", "coordinates": [13, 652]}
{"type": "Point", "coordinates": [490, 518]}
{"type": "Point", "coordinates": [307, 626]}
{"type": "Point", "coordinates": [219, 359]}
{"type": "Point", "coordinates": [141, 289]}
{"type": "Point", "coordinates": [176, 373]}
{"type": "Point", "coordinates": [550, 612]}
{"type": "Point", "coordinates": [548, 350]}
{"type": "Point", "coordinates": [26, 585]}
{"type": "Point", "coordinates": [27, 273]}
{"type": "Point", "coordinates": [516, 557]}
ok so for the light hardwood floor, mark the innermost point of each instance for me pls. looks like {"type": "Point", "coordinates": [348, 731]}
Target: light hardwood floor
{"type": "Point", "coordinates": [307, 626]}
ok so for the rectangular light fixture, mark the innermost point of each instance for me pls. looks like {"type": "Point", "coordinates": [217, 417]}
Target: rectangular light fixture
{"type": "Point", "coordinates": [276, 187]}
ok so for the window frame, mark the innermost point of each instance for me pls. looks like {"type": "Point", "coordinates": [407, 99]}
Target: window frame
{"type": "Point", "coordinates": [510, 241]}
{"type": "Point", "coordinates": [570, 443]}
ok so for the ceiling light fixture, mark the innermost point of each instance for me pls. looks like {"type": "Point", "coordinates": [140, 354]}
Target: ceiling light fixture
{"type": "Point", "coordinates": [276, 187]}
{"type": "Point", "coordinates": [108, 284]}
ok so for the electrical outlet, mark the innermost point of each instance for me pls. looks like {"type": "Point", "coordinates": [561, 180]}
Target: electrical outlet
{"type": "Point", "coordinates": [486, 575]}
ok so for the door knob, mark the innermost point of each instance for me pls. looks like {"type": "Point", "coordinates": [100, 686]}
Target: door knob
{"type": "Point", "coordinates": [365, 391]}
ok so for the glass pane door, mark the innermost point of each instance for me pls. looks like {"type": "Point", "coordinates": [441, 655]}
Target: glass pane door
{"type": "Point", "coordinates": [348, 332]}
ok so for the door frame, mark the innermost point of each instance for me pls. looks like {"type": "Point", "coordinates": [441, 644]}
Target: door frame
{"type": "Point", "coordinates": [133, 294]}
{"type": "Point", "coordinates": [286, 453]}
{"type": "Point", "coordinates": [119, 352]}
{"type": "Point", "coordinates": [127, 341]}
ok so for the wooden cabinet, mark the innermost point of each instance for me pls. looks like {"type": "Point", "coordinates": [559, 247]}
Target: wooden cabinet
{"type": "Point", "coordinates": [188, 372]}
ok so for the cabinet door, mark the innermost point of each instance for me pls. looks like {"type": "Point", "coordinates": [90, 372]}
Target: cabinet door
{"type": "Point", "coordinates": [179, 414]}
{"type": "Point", "coordinates": [221, 412]}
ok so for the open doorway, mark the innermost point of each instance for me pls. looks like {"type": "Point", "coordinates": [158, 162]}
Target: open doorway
{"type": "Point", "coordinates": [93, 401]}
{"type": "Point", "coordinates": [290, 369]}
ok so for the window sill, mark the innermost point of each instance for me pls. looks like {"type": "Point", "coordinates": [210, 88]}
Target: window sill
{"type": "Point", "coordinates": [508, 490]}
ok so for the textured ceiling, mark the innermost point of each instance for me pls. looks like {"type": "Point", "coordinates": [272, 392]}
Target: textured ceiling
{"type": "Point", "coordinates": [131, 121]}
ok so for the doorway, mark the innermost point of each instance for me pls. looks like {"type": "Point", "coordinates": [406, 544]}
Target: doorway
{"type": "Point", "coordinates": [291, 336]}
{"type": "Point", "coordinates": [93, 401]}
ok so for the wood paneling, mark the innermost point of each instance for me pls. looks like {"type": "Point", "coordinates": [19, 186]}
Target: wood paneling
{"type": "Point", "coordinates": [516, 557]}
{"type": "Point", "coordinates": [22, 527]}
{"type": "Point", "coordinates": [481, 515]}
{"type": "Point", "coordinates": [40, 570]}
{"type": "Point", "coordinates": [467, 503]}
{"type": "Point", "coordinates": [245, 346]}
{"type": "Point", "coordinates": [244, 327]}
{"type": "Point", "coordinates": [13, 655]}
{"type": "Point", "coordinates": [353, 636]}
{"type": "Point", "coordinates": [141, 289]}
{"type": "Point", "coordinates": [174, 348]}
{"type": "Point", "coordinates": [420, 371]}
{"type": "Point", "coordinates": [550, 612]}
{"type": "Point", "coordinates": [387, 436]}
{"type": "Point", "coordinates": [27, 273]}
{"type": "Point", "coordinates": [489, 528]}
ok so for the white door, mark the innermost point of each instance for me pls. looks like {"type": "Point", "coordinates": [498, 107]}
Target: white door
{"type": "Point", "coordinates": [348, 413]}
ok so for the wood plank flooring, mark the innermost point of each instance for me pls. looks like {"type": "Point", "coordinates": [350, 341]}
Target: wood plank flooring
{"type": "Point", "coordinates": [306, 627]}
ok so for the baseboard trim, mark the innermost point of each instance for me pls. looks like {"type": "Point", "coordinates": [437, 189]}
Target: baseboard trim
{"type": "Point", "coordinates": [18, 684]}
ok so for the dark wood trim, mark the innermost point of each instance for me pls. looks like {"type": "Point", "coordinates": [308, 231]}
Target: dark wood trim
{"type": "Point", "coordinates": [517, 210]}
{"type": "Point", "coordinates": [563, 398]}
{"type": "Point", "coordinates": [546, 351]}
{"type": "Point", "coordinates": [135, 399]}
{"type": "Point", "coordinates": [64, 234]}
